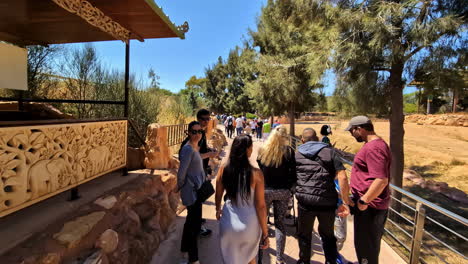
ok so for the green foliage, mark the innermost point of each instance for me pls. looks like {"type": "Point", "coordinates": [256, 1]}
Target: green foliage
{"type": "Point", "coordinates": [250, 116]}
{"type": "Point", "coordinates": [294, 40]}
{"type": "Point", "coordinates": [410, 108]}
{"type": "Point", "coordinates": [193, 93]}
{"type": "Point", "coordinates": [225, 82]}
{"type": "Point", "coordinates": [379, 37]}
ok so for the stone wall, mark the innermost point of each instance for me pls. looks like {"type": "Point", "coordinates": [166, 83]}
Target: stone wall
{"type": "Point", "coordinates": [123, 226]}
{"type": "Point", "coordinates": [441, 120]}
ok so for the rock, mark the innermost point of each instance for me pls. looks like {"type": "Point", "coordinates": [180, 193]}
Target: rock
{"type": "Point", "coordinates": [414, 177]}
{"type": "Point", "coordinates": [144, 210]}
{"type": "Point", "coordinates": [456, 195]}
{"type": "Point", "coordinates": [436, 186]}
{"type": "Point", "coordinates": [439, 122]}
{"type": "Point", "coordinates": [451, 122]}
{"type": "Point", "coordinates": [96, 258]}
{"type": "Point", "coordinates": [73, 231]}
{"type": "Point", "coordinates": [108, 241]}
{"type": "Point", "coordinates": [465, 124]}
{"type": "Point", "coordinates": [169, 182]}
{"type": "Point", "coordinates": [174, 201]}
{"type": "Point", "coordinates": [135, 158]}
{"type": "Point", "coordinates": [132, 223]}
{"type": "Point", "coordinates": [107, 202]}
{"type": "Point", "coordinates": [51, 258]}
{"type": "Point", "coordinates": [158, 154]}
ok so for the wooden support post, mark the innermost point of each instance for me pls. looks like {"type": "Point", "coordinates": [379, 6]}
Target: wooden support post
{"type": "Point", "coordinates": [127, 74]}
{"type": "Point", "coordinates": [418, 233]}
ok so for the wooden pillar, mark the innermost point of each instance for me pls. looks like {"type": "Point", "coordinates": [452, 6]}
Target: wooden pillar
{"type": "Point", "coordinates": [127, 74]}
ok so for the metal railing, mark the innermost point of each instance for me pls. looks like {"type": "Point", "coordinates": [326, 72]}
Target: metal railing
{"type": "Point", "coordinates": [176, 134]}
{"type": "Point", "coordinates": [427, 232]}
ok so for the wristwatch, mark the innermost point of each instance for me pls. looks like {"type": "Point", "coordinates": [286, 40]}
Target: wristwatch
{"type": "Point", "coordinates": [362, 202]}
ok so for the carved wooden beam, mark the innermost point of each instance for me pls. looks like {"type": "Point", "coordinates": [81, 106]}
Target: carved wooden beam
{"type": "Point", "coordinates": [38, 162]}
{"type": "Point", "coordinates": [95, 17]}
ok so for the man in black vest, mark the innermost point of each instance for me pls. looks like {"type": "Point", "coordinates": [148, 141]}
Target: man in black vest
{"type": "Point", "coordinates": [317, 166]}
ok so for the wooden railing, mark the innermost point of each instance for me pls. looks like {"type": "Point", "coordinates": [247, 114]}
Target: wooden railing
{"type": "Point", "coordinates": [176, 134]}
{"type": "Point", "coordinates": [40, 161]}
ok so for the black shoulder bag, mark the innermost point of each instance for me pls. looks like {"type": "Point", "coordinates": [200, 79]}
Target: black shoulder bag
{"type": "Point", "coordinates": [205, 191]}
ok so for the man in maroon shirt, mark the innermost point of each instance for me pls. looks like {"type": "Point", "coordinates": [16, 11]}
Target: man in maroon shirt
{"type": "Point", "coordinates": [370, 177]}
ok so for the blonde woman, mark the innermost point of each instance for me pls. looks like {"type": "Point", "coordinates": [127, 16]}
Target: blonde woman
{"type": "Point", "coordinates": [277, 162]}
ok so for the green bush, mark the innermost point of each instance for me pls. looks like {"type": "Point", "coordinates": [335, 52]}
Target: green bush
{"type": "Point", "coordinates": [410, 108]}
{"type": "Point", "coordinates": [250, 116]}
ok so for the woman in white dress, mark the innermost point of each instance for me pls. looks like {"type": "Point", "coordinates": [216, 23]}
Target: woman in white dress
{"type": "Point", "coordinates": [242, 221]}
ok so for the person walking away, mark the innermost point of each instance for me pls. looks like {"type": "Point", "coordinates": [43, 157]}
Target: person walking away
{"type": "Point", "coordinates": [317, 166]}
{"type": "Point", "coordinates": [370, 177]}
{"type": "Point", "coordinates": [277, 162]}
{"type": "Point", "coordinates": [230, 126]}
{"type": "Point", "coordinates": [259, 129]}
{"type": "Point", "coordinates": [266, 129]}
{"type": "Point", "coordinates": [242, 221]}
{"type": "Point", "coordinates": [225, 123]}
{"type": "Point", "coordinates": [239, 125]}
{"type": "Point", "coordinates": [325, 131]}
{"type": "Point", "coordinates": [190, 177]}
{"type": "Point", "coordinates": [203, 118]}
{"type": "Point", "coordinates": [253, 126]}
{"type": "Point", "coordinates": [248, 130]}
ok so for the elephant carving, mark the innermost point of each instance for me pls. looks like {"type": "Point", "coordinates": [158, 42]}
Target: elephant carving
{"type": "Point", "coordinates": [99, 158]}
{"type": "Point", "coordinates": [46, 176]}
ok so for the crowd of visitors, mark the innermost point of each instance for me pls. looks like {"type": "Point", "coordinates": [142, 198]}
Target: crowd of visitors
{"type": "Point", "coordinates": [313, 175]}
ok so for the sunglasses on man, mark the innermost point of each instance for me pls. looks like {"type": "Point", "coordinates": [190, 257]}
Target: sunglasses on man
{"type": "Point", "coordinates": [205, 118]}
{"type": "Point", "coordinates": [194, 132]}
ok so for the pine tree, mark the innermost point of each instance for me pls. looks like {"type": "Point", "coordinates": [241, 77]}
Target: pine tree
{"type": "Point", "coordinates": [388, 37]}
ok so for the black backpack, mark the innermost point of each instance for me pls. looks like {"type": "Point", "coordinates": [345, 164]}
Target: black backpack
{"type": "Point", "coordinates": [230, 121]}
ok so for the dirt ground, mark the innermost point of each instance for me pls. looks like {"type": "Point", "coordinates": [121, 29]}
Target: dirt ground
{"type": "Point", "coordinates": [439, 153]}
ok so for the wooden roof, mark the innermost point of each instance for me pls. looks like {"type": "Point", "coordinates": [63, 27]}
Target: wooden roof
{"type": "Point", "coordinates": [31, 22]}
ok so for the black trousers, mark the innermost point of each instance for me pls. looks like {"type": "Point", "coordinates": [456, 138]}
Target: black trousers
{"type": "Point", "coordinates": [368, 231]}
{"type": "Point", "coordinates": [306, 221]}
{"type": "Point", "coordinates": [230, 130]}
{"type": "Point", "coordinates": [191, 230]}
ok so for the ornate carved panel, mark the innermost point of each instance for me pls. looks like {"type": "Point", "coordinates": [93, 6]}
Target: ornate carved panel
{"type": "Point", "coordinates": [95, 17]}
{"type": "Point", "coordinates": [37, 162]}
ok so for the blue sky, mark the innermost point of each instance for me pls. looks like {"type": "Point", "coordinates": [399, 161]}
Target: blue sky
{"type": "Point", "coordinates": [216, 26]}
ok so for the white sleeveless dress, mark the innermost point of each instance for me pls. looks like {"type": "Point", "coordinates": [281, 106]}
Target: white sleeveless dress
{"type": "Point", "coordinates": [240, 231]}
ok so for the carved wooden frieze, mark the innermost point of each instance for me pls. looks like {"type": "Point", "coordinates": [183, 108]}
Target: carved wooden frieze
{"type": "Point", "coordinates": [37, 162]}
{"type": "Point", "coordinates": [95, 17]}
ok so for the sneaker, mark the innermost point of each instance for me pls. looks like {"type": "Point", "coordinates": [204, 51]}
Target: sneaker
{"type": "Point", "coordinates": [205, 232]}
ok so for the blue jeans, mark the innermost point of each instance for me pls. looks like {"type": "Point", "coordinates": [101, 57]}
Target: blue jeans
{"type": "Point", "coordinates": [239, 130]}
{"type": "Point", "coordinates": [259, 132]}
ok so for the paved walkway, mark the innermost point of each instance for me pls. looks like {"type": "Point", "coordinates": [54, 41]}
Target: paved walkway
{"type": "Point", "coordinates": [209, 251]}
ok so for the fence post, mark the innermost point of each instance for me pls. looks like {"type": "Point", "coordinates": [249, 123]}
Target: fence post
{"type": "Point", "coordinates": [418, 232]}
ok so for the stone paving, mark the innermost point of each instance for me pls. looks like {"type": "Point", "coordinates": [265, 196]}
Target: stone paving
{"type": "Point", "coordinates": [210, 253]}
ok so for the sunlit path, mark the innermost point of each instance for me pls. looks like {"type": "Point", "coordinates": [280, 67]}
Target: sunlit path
{"type": "Point", "coordinates": [209, 250]}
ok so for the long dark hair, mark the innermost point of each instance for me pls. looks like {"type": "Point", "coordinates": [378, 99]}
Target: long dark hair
{"type": "Point", "coordinates": [237, 174]}
{"type": "Point", "coordinates": [187, 139]}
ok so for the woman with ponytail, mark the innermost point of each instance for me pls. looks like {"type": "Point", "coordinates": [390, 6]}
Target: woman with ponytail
{"type": "Point", "coordinates": [242, 221]}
